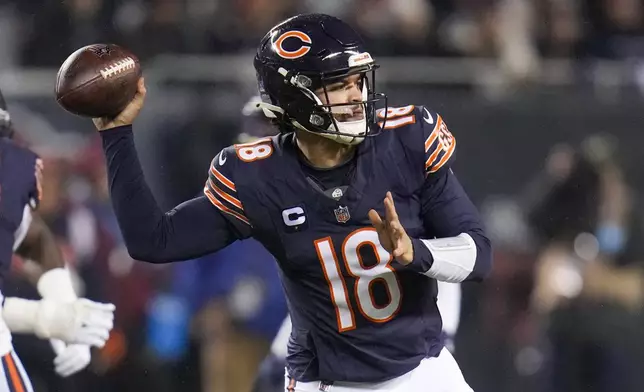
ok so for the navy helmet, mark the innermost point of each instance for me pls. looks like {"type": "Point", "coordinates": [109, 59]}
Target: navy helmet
{"type": "Point", "coordinates": [306, 53]}
{"type": "Point", "coordinates": [6, 128]}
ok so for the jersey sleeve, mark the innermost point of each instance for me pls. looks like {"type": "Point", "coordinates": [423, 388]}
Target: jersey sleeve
{"type": "Point", "coordinates": [221, 190]}
{"type": "Point", "coordinates": [439, 143]}
{"type": "Point", "coordinates": [190, 230]}
{"type": "Point", "coordinates": [458, 248]}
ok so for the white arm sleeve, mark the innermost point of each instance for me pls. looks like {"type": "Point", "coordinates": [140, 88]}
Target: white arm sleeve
{"type": "Point", "coordinates": [454, 258]}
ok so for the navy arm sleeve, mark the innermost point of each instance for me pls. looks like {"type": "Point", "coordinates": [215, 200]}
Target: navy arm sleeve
{"type": "Point", "coordinates": [192, 229]}
{"type": "Point", "coordinates": [448, 212]}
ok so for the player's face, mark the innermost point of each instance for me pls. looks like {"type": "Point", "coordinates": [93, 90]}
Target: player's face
{"type": "Point", "coordinates": [344, 92]}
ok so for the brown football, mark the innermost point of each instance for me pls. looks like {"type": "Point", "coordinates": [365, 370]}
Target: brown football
{"type": "Point", "coordinates": [98, 80]}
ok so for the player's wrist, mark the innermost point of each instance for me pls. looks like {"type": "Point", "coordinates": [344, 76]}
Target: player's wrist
{"type": "Point", "coordinates": [42, 318]}
{"type": "Point", "coordinates": [116, 128]}
{"type": "Point", "coordinates": [422, 257]}
{"type": "Point", "coordinates": [20, 314]}
{"type": "Point", "coordinates": [56, 284]}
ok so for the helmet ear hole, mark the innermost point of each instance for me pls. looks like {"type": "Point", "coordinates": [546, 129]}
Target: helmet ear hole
{"type": "Point", "coordinates": [316, 120]}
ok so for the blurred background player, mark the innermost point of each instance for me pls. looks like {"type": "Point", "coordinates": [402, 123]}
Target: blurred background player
{"type": "Point", "coordinates": [234, 296]}
{"type": "Point", "coordinates": [590, 270]}
{"type": "Point", "coordinates": [60, 315]}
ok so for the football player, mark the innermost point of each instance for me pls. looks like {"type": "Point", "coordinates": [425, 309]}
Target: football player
{"type": "Point", "coordinates": [60, 316]}
{"type": "Point", "coordinates": [360, 209]}
{"type": "Point", "coordinates": [270, 374]}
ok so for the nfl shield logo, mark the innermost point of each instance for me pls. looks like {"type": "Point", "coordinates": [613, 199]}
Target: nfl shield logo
{"type": "Point", "coordinates": [342, 214]}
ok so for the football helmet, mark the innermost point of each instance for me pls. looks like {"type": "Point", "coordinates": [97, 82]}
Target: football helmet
{"type": "Point", "coordinates": [306, 53]}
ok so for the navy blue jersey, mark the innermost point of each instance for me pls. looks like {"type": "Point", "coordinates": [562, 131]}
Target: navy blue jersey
{"type": "Point", "coordinates": [357, 315]}
{"type": "Point", "coordinates": [19, 189]}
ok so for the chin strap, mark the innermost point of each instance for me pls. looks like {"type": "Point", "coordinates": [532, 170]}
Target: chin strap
{"type": "Point", "coordinates": [349, 131]}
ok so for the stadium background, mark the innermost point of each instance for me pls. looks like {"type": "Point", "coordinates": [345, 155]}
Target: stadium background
{"type": "Point", "coordinates": [544, 96]}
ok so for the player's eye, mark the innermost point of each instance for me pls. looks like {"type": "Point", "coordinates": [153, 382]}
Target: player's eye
{"type": "Point", "coordinates": [335, 87]}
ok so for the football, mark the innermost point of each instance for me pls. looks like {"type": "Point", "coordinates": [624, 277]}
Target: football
{"type": "Point", "coordinates": [98, 80]}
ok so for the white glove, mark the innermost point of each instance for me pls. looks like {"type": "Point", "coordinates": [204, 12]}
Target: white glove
{"type": "Point", "coordinates": [79, 322]}
{"type": "Point", "coordinates": [82, 322]}
{"type": "Point", "coordinates": [56, 284]}
{"type": "Point", "coordinates": [70, 359]}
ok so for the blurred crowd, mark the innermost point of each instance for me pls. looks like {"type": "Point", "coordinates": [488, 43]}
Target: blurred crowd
{"type": "Point", "coordinates": [37, 32]}
{"type": "Point", "coordinates": [562, 310]}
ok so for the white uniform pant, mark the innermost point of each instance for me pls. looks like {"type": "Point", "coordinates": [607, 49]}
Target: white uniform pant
{"type": "Point", "coordinates": [439, 374]}
{"type": "Point", "coordinates": [13, 377]}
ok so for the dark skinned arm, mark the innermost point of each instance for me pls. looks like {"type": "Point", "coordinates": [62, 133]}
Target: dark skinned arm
{"type": "Point", "coordinates": [40, 245]}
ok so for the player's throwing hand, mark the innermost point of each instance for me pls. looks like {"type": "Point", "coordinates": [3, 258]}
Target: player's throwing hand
{"type": "Point", "coordinates": [127, 116]}
{"type": "Point", "coordinates": [391, 233]}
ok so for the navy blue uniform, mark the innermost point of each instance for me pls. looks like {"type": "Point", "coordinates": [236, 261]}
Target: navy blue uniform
{"type": "Point", "coordinates": [19, 188]}
{"type": "Point", "coordinates": [357, 315]}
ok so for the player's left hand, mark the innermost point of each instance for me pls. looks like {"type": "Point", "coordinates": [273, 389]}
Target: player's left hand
{"type": "Point", "coordinates": [391, 233]}
{"type": "Point", "coordinates": [70, 359]}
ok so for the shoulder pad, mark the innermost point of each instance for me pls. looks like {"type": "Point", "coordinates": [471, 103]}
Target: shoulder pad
{"type": "Point", "coordinates": [221, 188]}
{"type": "Point", "coordinates": [421, 131]}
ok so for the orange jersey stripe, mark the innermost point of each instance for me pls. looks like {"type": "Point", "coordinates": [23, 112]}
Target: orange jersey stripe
{"type": "Point", "coordinates": [221, 178]}
{"type": "Point", "coordinates": [223, 208]}
{"type": "Point", "coordinates": [433, 157]}
{"type": "Point", "coordinates": [445, 158]}
{"type": "Point", "coordinates": [225, 195]}
{"type": "Point", "coordinates": [16, 381]}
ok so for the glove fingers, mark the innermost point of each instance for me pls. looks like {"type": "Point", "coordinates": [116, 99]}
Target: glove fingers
{"type": "Point", "coordinates": [90, 340]}
{"type": "Point", "coordinates": [67, 370]}
{"type": "Point", "coordinates": [97, 306]}
{"type": "Point", "coordinates": [93, 336]}
{"type": "Point", "coordinates": [71, 361]}
{"type": "Point", "coordinates": [63, 358]}
{"type": "Point", "coordinates": [58, 345]}
{"type": "Point", "coordinates": [99, 320]}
